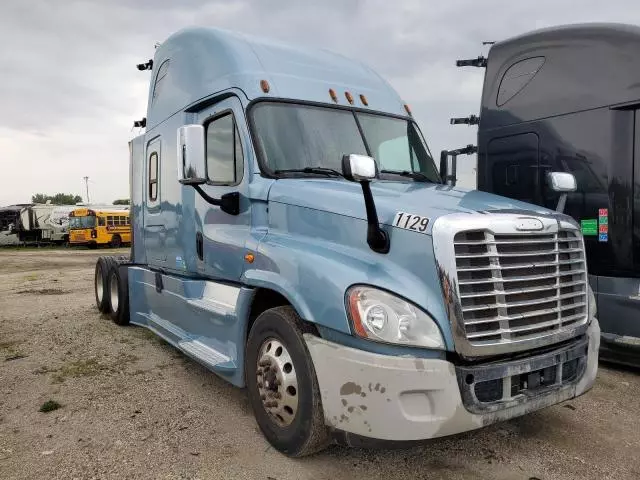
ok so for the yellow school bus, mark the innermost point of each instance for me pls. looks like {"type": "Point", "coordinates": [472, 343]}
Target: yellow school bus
{"type": "Point", "coordinates": [99, 227]}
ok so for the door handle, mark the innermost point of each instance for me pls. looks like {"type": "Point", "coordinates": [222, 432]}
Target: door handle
{"type": "Point", "coordinates": [199, 246]}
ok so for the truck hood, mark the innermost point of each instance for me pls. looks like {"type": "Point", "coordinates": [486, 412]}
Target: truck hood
{"type": "Point", "coordinates": [431, 200]}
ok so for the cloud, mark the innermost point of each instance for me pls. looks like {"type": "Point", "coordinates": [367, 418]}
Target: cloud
{"type": "Point", "coordinates": [69, 90]}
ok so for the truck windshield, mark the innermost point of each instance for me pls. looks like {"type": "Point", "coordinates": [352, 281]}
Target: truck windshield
{"type": "Point", "coordinates": [82, 222]}
{"type": "Point", "coordinates": [295, 137]}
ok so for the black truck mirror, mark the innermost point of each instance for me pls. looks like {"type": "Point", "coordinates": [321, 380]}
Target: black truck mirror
{"type": "Point", "coordinates": [191, 155]}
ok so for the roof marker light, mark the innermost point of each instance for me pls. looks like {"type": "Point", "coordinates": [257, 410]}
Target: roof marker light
{"type": "Point", "coordinates": [408, 110]}
{"type": "Point", "coordinates": [333, 95]}
{"type": "Point", "coordinates": [349, 97]}
{"type": "Point", "coordinates": [363, 99]}
{"type": "Point", "coordinates": [264, 85]}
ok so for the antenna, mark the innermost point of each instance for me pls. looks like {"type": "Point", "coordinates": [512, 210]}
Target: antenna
{"type": "Point", "coordinates": [86, 182]}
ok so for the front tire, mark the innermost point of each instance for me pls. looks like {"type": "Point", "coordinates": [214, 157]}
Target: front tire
{"type": "Point", "coordinates": [118, 294]}
{"type": "Point", "coordinates": [282, 384]}
{"type": "Point", "coordinates": [116, 241]}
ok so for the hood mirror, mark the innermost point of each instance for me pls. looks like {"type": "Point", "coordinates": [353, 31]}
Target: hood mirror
{"type": "Point", "coordinates": [563, 183]}
{"type": "Point", "coordinates": [363, 169]}
{"type": "Point", "coordinates": [359, 167]}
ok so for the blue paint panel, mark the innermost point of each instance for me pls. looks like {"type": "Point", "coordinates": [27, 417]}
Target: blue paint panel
{"type": "Point", "coordinates": [179, 315]}
{"type": "Point", "coordinates": [207, 61]}
{"type": "Point", "coordinates": [345, 198]}
{"type": "Point", "coordinates": [603, 237]}
{"type": "Point", "coordinates": [311, 257]}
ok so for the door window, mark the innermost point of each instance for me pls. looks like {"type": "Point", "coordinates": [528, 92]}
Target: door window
{"type": "Point", "coordinates": [225, 163]}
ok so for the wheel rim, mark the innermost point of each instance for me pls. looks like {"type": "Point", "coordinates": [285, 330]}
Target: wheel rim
{"type": "Point", "coordinates": [277, 382]}
{"type": "Point", "coordinates": [114, 293]}
{"type": "Point", "coordinates": [99, 284]}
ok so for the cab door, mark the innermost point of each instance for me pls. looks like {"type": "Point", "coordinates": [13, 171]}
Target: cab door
{"type": "Point", "coordinates": [220, 238]}
{"type": "Point", "coordinates": [214, 241]}
{"type": "Point", "coordinates": [512, 167]}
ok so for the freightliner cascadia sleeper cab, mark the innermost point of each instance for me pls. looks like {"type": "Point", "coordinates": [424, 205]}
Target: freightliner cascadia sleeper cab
{"type": "Point", "coordinates": [291, 233]}
{"type": "Point", "coordinates": [567, 99]}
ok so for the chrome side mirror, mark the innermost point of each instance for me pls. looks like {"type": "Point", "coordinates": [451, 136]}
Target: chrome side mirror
{"type": "Point", "coordinates": [363, 169]}
{"type": "Point", "coordinates": [191, 155]}
{"type": "Point", "coordinates": [358, 168]}
{"type": "Point", "coordinates": [562, 183]}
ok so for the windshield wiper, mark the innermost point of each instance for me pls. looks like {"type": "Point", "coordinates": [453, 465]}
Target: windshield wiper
{"type": "Point", "coordinates": [330, 172]}
{"type": "Point", "coordinates": [406, 173]}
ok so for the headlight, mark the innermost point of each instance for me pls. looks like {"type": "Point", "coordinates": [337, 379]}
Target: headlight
{"type": "Point", "coordinates": [383, 317]}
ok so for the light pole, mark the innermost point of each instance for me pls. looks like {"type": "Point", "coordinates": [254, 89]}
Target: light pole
{"type": "Point", "coordinates": [86, 182]}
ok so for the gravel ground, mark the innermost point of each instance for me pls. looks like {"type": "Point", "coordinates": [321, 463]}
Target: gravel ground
{"type": "Point", "coordinates": [133, 407]}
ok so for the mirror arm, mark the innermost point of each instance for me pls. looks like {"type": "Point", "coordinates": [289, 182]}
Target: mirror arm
{"type": "Point", "coordinates": [377, 238]}
{"type": "Point", "coordinates": [561, 203]}
{"type": "Point", "coordinates": [228, 203]}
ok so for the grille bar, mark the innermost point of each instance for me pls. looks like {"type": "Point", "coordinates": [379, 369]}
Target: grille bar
{"type": "Point", "coordinates": [520, 265]}
{"type": "Point", "coordinates": [523, 278]}
{"type": "Point", "coordinates": [521, 254]}
{"type": "Point", "coordinates": [535, 313]}
{"type": "Point", "coordinates": [521, 290]}
{"type": "Point", "coordinates": [521, 304]}
{"type": "Point", "coordinates": [508, 295]}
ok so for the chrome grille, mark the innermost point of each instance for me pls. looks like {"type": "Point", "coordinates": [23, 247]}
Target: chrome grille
{"type": "Point", "coordinates": [515, 287]}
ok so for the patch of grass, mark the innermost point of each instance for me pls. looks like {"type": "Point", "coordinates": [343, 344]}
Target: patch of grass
{"type": "Point", "coordinates": [44, 291]}
{"type": "Point", "coordinates": [49, 406]}
{"type": "Point", "coordinates": [14, 356]}
{"type": "Point", "coordinates": [149, 335]}
{"type": "Point", "coordinates": [8, 344]}
{"type": "Point", "coordinates": [31, 278]}
{"type": "Point", "coordinates": [10, 351]}
{"type": "Point", "coordinates": [43, 369]}
{"type": "Point", "coordinates": [90, 367]}
{"type": "Point", "coordinates": [78, 368]}
{"type": "Point", "coordinates": [123, 360]}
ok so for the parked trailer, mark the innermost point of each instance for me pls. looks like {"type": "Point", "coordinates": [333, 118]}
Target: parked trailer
{"type": "Point", "coordinates": [44, 223]}
{"type": "Point", "coordinates": [568, 99]}
{"type": "Point", "coordinates": [9, 218]}
{"type": "Point", "coordinates": [357, 299]}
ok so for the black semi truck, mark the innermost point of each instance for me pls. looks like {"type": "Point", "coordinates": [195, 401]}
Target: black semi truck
{"type": "Point", "coordinates": [567, 99]}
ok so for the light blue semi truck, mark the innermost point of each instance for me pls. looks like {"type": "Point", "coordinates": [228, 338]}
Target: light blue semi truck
{"type": "Point", "coordinates": [292, 233]}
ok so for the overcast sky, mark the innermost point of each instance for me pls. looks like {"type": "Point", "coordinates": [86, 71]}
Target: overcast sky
{"type": "Point", "coordinates": [69, 89]}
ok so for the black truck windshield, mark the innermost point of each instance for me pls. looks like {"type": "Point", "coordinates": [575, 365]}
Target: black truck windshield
{"type": "Point", "coordinates": [296, 138]}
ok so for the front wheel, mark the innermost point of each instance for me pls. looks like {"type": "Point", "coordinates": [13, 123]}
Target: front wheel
{"type": "Point", "coordinates": [282, 384]}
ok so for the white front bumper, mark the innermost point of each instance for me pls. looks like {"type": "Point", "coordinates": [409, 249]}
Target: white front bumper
{"type": "Point", "coordinates": [409, 398]}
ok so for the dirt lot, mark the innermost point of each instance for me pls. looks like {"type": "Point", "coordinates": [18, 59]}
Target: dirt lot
{"type": "Point", "coordinates": [133, 407]}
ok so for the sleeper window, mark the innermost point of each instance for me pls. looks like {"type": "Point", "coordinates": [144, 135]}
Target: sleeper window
{"type": "Point", "coordinates": [162, 73]}
{"type": "Point", "coordinates": [153, 176]}
{"type": "Point", "coordinates": [224, 152]}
